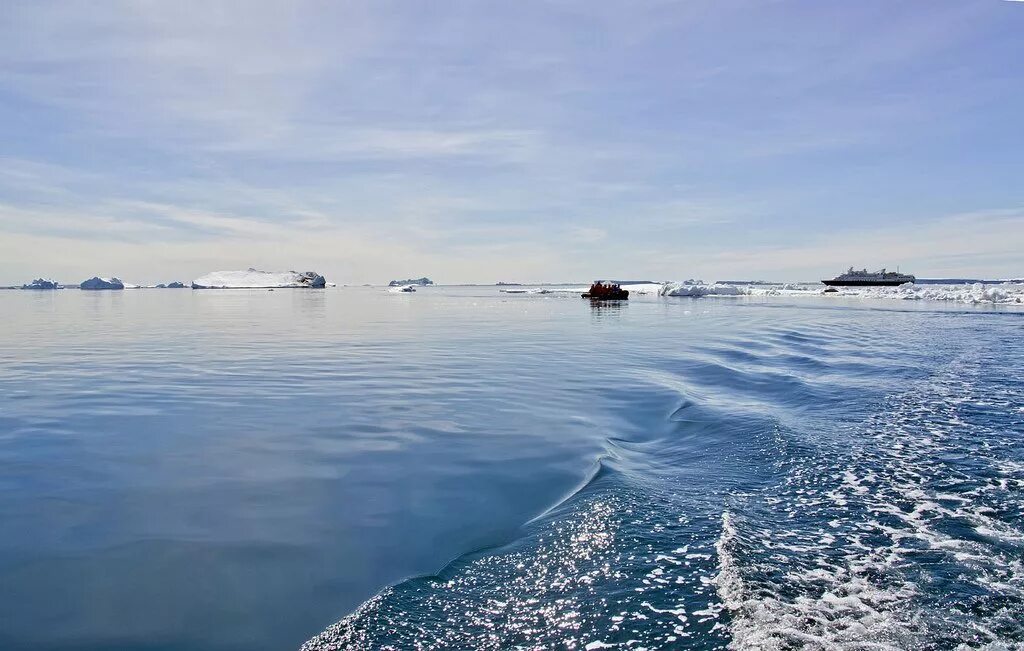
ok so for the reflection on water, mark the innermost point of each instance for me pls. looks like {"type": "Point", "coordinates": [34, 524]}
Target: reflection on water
{"type": "Point", "coordinates": [605, 309]}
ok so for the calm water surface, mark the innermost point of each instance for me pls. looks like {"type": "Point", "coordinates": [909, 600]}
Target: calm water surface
{"type": "Point", "coordinates": [242, 469]}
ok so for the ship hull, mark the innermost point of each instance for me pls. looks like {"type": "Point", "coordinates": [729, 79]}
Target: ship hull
{"type": "Point", "coordinates": [864, 283]}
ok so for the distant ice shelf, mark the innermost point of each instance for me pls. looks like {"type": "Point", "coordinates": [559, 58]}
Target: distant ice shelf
{"type": "Point", "coordinates": [256, 279]}
{"type": "Point", "coordinates": [634, 288]}
{"type": "Point", "coordinates": [544, 290]}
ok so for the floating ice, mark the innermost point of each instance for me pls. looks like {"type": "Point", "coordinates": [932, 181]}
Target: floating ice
{"type": "Point", "coordinates": [545, 290]}
{"type": "Point", "coordinates": [643, 288]}
{"type": "Point", "coordinates": [256, 279]}
{"type": "Point", "coordinates": [972, 293]}
{"type": "Point", "coordinates": [634, 288]}
{"type": "Point", "coordinates": [175, 285]}
{"type": "Point", "coordinates": [42, 283]}
{"type": "Point", "coordinates": [399, 289]}
{"type": "Point", "coordinates": [102, 283]}
{"type": "Point", "coordinates": [691, 288]}
{"type": "Point", "coordinates": [424, 281]}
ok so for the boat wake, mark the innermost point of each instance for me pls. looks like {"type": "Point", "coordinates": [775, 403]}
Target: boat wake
{"type": "Point", "coordinates": [582, 580]}
{"type": "Point", "coordinates": [750, 514]}
{"type": "Point", "coordinates": [910, 538]}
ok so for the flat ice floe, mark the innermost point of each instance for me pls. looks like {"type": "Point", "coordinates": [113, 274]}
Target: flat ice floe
{"type": "Point", "coordinates": [102, 283]}
{"type": "Point", "coordinates": [42, 283]}
{"type": "Point", "coordinates": [256, 279]}
{"type": "Point", "coordinates": [402, 289]}
{"type": "Point", "coordinates": [698, 288]}
{"type": "Point", "coordinates": [634, 289]}
{"type": "Point", "coordinates": [544, 290]}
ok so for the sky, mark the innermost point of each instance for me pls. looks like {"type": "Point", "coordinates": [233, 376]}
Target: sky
{"type": "Point", "coordinates": [520, 141]}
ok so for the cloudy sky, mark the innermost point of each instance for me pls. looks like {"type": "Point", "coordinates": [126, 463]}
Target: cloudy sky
{"type": "Point", "coordinates": [517, 141]}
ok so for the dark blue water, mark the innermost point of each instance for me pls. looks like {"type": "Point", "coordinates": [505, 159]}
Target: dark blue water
{"type": "Point", "coordinates": [240, 470]}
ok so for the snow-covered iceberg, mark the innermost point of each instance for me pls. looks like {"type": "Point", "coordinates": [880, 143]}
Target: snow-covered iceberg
{"type": "Point", "coordinates": [698, 288]}
{"type": "Point", "coordinates": [102, 283]}
{"type": "Point", "coordinates": [175, 285]}
{"type": "Point", "coordinates": [256, 279]}
{"type": "Point", "coordinates": [42, 283]}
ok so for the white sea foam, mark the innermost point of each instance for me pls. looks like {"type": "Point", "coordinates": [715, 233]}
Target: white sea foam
{"type": "Point", "coordinates": [836, 608]}
{"type": "Point", "coordinates": [256, 279]}
{"type": "Point", "coordinates": [861, 585]}
{"type": "Point", "coordinates": [728, 581]}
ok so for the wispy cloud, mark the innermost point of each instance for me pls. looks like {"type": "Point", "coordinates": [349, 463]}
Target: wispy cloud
{"type": "Point", "coordinates": [562, 137]}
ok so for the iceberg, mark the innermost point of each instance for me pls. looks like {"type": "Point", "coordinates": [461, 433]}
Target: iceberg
{"type": "Point", "coordinates": [424, 281]}
{"type": "Point", "coordinates": [102, 283]}
{"type": "Point", "coordinates": [698, 288]}
{"type": "Point", "coordinates": [42, 283]}
{"type": "Point", "coordinates": [256, 279]}
{"type": "Point", "coordinates": [397, 289]}
{"type": "Point", "coordinates": [175, 285]}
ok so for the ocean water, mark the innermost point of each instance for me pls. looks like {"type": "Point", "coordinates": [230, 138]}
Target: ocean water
{"type": "Point", "coordinates": [463, 469]}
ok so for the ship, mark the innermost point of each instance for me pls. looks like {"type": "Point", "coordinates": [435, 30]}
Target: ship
{"type": "Point", "coordinates": [863, 278]}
